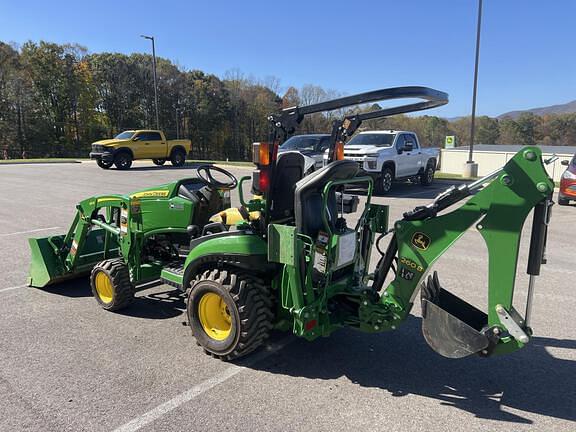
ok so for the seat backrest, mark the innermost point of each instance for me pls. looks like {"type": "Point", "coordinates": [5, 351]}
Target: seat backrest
{"type": "Point", "coordinates": [308, 196]}
{"type": "Point", "coordinates": [289, 170]}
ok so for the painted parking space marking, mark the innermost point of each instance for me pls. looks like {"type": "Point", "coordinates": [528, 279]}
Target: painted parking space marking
{"type": "Point", "coordinates": [13, 288]}
{"type": "Point", "coordinates": [29, 232]}
{"type": "Point", "coordinates": [192, 393]}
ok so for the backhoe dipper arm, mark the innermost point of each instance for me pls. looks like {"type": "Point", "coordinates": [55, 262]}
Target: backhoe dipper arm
{"type": "Point", "coordinates": [498, 212]}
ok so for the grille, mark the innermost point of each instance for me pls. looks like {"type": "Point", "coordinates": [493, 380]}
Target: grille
{"type": "Point", "coordinates": [97, 148]}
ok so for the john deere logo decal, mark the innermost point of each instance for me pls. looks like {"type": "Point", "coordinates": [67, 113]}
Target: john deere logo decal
{"type": "Point", "coordinates": [420, 241]}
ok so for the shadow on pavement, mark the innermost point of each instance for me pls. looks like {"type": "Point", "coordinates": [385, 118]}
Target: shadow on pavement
{"type": "Point", "coordinates": [79, 287]}
{"type": "Point", "coordinates": [168, 303]}
{"type": "Point", "coordinates": [158, 305]}
{"type": "Point", "coordinates": [401, 363]}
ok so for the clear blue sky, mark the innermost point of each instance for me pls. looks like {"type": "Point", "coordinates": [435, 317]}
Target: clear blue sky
{"type": "Point", "coordinates": [528, 53]}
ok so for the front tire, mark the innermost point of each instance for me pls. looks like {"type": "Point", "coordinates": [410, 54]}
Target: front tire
{"type": "Point", "coordinates": [159, 162]}
{"type": "Point", "coordinates": [427, 177]}
{"type": "Point", "coordinates": [123, 160]}
{"type": "Point", "coordinates": [230, 312]}
{"type": "Point", "coordinates": [111, 286]}
{"type": "Point", "coordinates": [563, 201]}
{"type": "Point", "coordinates": [384, 182]}
{"type": "Point", "coordinates": [104, 165]}
{"type": "Point", "coordinates": [178, 158]}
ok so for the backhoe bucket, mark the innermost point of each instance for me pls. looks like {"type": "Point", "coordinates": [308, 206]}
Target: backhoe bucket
{"type": "Point", "coordinates": [47, 266]}
{"type": "Point", "coordinates": [452, 327]}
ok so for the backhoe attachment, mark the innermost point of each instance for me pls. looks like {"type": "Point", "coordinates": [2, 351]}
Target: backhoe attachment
{"type": "Point", "coordinates": [497, 207]}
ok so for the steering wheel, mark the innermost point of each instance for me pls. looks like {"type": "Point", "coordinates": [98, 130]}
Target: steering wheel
{"type": "Point", "coordinates": [204, 173]}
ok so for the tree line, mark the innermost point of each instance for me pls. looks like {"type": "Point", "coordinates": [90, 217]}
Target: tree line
{"type": "Point", "coordinates": [55, 100]}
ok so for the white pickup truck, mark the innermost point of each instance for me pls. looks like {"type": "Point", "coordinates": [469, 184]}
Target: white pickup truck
{"type": "Point", "coordinates": [391, 155]}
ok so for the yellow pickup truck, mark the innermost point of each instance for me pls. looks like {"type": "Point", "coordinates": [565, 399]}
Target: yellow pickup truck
{"type": "Point", "coordinates": [139, 144]}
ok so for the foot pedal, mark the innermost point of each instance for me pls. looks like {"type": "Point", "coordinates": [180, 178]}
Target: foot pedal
{"type": "Point", "coordinates": [452, 327]}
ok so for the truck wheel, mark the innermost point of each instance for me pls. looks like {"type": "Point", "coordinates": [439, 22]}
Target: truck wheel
{"type": "Point", "coordinates": [159, 161]}
{"type": "Point", "coordinates": [230, 312]}
{"type": "Point", "coordinates": [178, 158]}
{"type": "Point", "coordinates": [123, 160]}
{"type": "Point", "coordinates": [104, 165]}
{"type": "Point", "coordinates": [563, 202]}
{"type": "Point", "coordinates": [384, 182]}
{"type": "Point", "coordinates": [427, 177]}
{"type": "Point", "coordinates": [111, 286]}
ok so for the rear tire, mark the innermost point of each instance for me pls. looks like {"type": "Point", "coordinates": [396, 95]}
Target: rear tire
{"type": "Point", "coordinates": [230, 312]}
{"type": "Point", "coordinates": [178, 158]}
{"type": "Point", "coordinates": [384, 182]}
{"type": "Point", "coordinates": [104, 165]}
{"type": "Point", "coordinates": [111, 286]}
{"type": "Point", "coordinates": [123, 160]}
{"type": "Point", "coordinates": [427, 177]}
{"type": "Point", "coordinates": [159, 162]}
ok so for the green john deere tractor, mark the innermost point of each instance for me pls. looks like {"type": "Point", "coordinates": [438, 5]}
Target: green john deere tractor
{"type": "Point", "coordinates": [126, 240]}
{"type": "Point", "coordinates": [289, 259]}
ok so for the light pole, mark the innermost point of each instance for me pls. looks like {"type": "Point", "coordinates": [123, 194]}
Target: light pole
{"type": "Point", "coordinates": [471, 169]}
{"type": "Point", "coordinates": [154, 74]}
{"type": "Point", "coordinates": [177, 123]}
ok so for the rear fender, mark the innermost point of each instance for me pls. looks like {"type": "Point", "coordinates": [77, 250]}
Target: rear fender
{"type": "Point", "coordinates": [236, 248]}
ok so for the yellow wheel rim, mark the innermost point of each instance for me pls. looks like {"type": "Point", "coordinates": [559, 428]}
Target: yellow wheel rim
{"type": "Point", "coordinates": [104, 287]}
{"type": "Point", "coordinates": [214, 316]}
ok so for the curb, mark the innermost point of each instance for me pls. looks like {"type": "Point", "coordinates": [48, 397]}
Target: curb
{"type": "Point", "coordinates": [39, 162]}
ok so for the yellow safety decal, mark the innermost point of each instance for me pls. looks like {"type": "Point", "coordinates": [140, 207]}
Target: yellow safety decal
{"type": "Point", "coordinates": [151, 194]}
{"type": "Point", "coordinates": [106, 199]}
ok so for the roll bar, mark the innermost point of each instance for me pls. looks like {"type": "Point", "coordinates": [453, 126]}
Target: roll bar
{"type": "Point", "coordinates": [289, 118]}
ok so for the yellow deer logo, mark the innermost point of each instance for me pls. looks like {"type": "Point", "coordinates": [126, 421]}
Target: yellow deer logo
{"type": "Point", "coordinates": [421, 241]}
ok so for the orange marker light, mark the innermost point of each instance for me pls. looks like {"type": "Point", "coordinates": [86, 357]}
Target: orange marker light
{"type": "Point", "coordinates": [264, 154]}
{"type": "Point", "coordinates": [339, 151]}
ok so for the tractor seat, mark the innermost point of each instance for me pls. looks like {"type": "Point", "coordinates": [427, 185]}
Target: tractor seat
{"type": "Point", "coordinates": [308, 196]}
{"type": "Point", "coordinates": [289, 171]}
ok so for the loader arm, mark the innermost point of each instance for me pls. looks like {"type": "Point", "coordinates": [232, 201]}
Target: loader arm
{"type": "Point", "coordinates": [89, 240]}
{"type": "Point", "coordinates": [498, 212]}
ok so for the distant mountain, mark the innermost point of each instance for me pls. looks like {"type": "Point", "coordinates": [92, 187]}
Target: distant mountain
{"type": "Point", "coordinates": [566, 108]}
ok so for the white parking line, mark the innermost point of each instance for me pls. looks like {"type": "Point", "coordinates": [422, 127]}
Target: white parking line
{"type": "Point", "coordinates": [13, 288]}
{"type": "Point", "coordinates": [197, 390]}
{"type": "Point", "coordinates": [29, 232]}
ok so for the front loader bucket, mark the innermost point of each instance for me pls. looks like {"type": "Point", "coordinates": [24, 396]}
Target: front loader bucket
{"type": "Point", "coordinates": [47, 266]}
{"type": "Point", "coordinates": [452, 327]}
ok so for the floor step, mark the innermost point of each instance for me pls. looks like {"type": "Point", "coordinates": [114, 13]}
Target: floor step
{"type": "Point", "coordinates": [173, 274]}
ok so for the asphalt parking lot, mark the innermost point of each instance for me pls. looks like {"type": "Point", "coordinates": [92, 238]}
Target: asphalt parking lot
{"type": "Point", "coordinates": [68, 365]}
